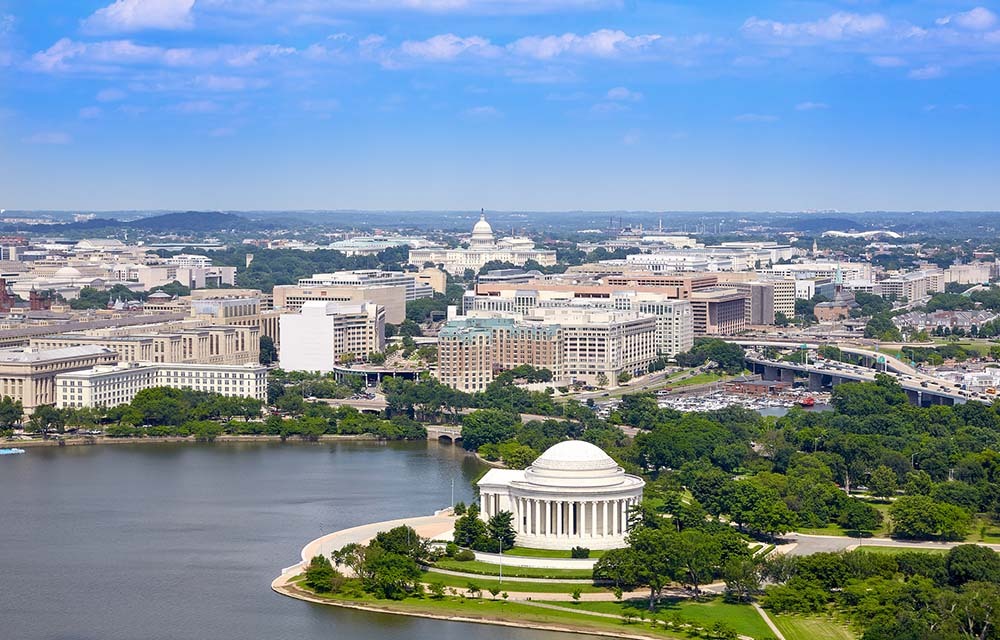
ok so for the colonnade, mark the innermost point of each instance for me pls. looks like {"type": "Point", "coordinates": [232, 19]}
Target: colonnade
{"type": "Point", "coordinates": [583, 519]}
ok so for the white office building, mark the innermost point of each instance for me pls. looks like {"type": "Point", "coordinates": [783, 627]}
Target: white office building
{"type": "Point", "coordinates": [315, 338]}
{"type": "Point", "coordinates": [113, 385]}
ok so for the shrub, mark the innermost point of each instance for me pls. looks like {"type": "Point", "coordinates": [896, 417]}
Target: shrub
{"type": "Point", "coordinates": [579, 552]}
{"type": "Point", "coordinates": [459, 509]}
{"type": "Point", "coordinates": [465, 555]}
{"type": "Point", "coordinates": [450, 549]}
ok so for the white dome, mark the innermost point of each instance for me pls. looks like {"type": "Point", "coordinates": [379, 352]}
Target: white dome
{"type": "Point", "coordinates": [574, 454]}
{"type": "Point", "coordinates": [576, 464]}
{"type": "Point", "coordinates": [68, 272]}
{"type": "Point", "coordinates": [482, 227]}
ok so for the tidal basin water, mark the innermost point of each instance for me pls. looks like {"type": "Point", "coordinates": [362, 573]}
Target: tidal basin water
{"type": "Point", "coordinates": [181, 541]}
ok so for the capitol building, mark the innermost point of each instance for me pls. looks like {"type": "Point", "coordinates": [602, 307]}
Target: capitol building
{"type": "Point", "coordinates": [484, 248]}
{"type": "Point", "coordinates": [573, 495]}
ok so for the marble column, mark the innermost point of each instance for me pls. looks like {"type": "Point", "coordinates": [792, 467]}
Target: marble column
{"type": "Point", "coordinates": [605, 530]}
{"type": "Point", "coordinates": [548, 519]}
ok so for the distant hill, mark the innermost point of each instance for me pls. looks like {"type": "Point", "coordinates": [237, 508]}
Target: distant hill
{"type": "Point", "coordinates": [191, 221]}
{"type": "Point", "coordinates": [194, 221]}
{"type": "Point", "coordinates": [812, 224]}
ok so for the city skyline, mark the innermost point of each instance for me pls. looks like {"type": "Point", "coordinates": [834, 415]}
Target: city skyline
{"type": "Point", "coordinates": [550, 105]}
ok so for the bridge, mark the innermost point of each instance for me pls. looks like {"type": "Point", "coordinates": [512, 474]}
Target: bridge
{"type": "Point", "coordinates": [445, 433]}
{"type": "Point", "coordinates": [829, 374]}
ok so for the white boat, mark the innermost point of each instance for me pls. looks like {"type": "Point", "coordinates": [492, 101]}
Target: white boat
{"type": "Point", "coordinates": [10, 452]}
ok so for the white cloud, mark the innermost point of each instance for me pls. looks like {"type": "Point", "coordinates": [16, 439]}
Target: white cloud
{"type": "Point", "coordinates": [623, 94]}
{"type": "Point", "coordinates": [449, 46]}
{"type": "Point", "coordinates": [887, 61]}
{"type": "Point", "coordinates": [68, 55]}
{"type": "Point", "coordinates": [6, 28]}
{"type": "Point", "coordinates": [197, 106]}
{"type": "Point", "coordinates": [604, 43]}
{"type": "Point", "coordinates": [609, 107]}
{"type": "Point", "coordinates": [978, 19]}
{"type": "Point", "coordinates": [755, 117]}
{"type": "Point", "coordinates": [49, 137]}
{"type": "Point", "coordinates": [137, 15]}
{"type": "Point", "coordinates": [811, 106]}
{"type": "Point", "coordinates": [484, 113]}
{"type": "Point", "coordinates": [110, 95]}
{"type": "Point", "coordinates": [839, 26]}
{"type": "Point", "coordinates": [632, 137]}
{"type": "Point", "coordinates": [928, 72]}
{"type": "Point", "coordinates": [90, 113]}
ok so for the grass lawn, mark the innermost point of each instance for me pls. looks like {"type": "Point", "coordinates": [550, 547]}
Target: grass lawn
{"type": "Point", "coordinates": [990, 534]}
{"type": "Point", "coordinates": [892, 550]}
{"type": "Point", "coordinates": [808, 628]}
{"type": "Point", "coordinates": [489, 569]}
{"type": "Point", "coordinates": [743, 618]}
{"type": "Point", "coordinates": [547, 553]}
{"type": "Point", "coordinates": [485, 584]}
{"type": "Point", "coordinates": [837, 530]}
{"type": "Point", "coordinates": [488, 609]}
{"type": "Point", "coordinates": [701, 378]}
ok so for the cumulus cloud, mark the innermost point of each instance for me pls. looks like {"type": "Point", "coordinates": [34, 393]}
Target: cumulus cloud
{"type": "Point", "coordinates": [110, 95]}
{"type": "Point", "coordinates": [449, 46]}
{"type": "Point", "coordinates": [811, 106]}
{"type": "Point", "coordinates": [49, 137]}
{"type": "Point", "coordinates": [623, 94]}
{"type": "Point", "coordinates": [978, 19]}
{"type": "Point", "coordinates": [138, 15]}
{"type": "Point", "coordinates": [839, 26]}
{"type": "Point", "coordinates": [68, 55]}
{"type": "Point", "coordinates": [928, 72]}
{"type": "Point", "coordinates": [604, 43]}
{"type": "Point", "coordinates": [485, 112]}
{"type": "Point", "coordinates": [887, 61]}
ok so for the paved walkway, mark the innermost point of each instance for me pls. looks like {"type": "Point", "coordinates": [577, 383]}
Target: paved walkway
{"type": "Point", "coordinates": [770, 623]}
{"type": "Point", "coordinates": [808, 544]}
{"type": "Point", "coordinates": [512, 560]}
{"type": "Point", "coordinates": [473, 576]}
{"type": "Point", "coordinates": [425, 526]}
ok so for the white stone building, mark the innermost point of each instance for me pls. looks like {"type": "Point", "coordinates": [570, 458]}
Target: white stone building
{"type": "Point", "coordinates": [316, 337]}
{"type": "Point", "coordinates": [113, 385]}
{"type": "Point", "coordinates": [483, 248]}
{"type": "Point", "coordinates": [573, 495]}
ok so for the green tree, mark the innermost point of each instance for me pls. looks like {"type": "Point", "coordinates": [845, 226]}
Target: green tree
{"type": "Point", "coordinates": [922, 517]}
{"type": "Point", "coordinates": [320, 576]}
{"type": "Point", "coordinates": [268, 352]}
{"type": "Point", "coordinates": [469, 529]}
{"type": "Point", "coordinates": [488, 426]}
{"type": "Point", "coordinates": [622, 567]}
{"type": "Point", "coordinates": [972, 563]}
{"type": "Point", "coordinates": [500, 531]}
{"type": "Point", "coordinates": [883, 482]}
{"type": "Point", "coordinates": [11, 412]}
{"type": "Point", "coordinates": [47, 418]}
{"type": "Point", "coordinates": [859, 516]}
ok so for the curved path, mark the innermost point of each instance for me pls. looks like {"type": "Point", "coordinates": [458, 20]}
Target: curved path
{"type": "Point", "coordinates": [801, 544]}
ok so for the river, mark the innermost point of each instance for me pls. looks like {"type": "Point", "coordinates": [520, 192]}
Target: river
{"type": "Point", "coordinates": [181, 541]}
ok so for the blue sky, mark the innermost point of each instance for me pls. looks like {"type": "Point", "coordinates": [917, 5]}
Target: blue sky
{"type": "Point", "coordinates": [516, 104]}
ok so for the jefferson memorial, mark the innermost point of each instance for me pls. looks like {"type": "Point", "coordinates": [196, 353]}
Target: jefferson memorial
{"type": "Point", "coordinates": [572, 495]}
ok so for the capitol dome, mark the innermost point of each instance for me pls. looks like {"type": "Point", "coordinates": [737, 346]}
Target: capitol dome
{"type": "Point", "coordinates": [482, 232]}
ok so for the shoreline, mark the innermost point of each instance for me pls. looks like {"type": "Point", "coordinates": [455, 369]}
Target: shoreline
{"type": "Point", "coordinates": [281, 586]}
{"type": "Point", "coordinates": [86, 441]}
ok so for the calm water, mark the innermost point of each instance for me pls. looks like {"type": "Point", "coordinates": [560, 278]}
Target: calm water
{"type": "Point", "coordinates": [179, 542]}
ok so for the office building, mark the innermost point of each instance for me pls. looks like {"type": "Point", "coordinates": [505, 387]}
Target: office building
{"type": "Point", "coordinates": [315, 338]}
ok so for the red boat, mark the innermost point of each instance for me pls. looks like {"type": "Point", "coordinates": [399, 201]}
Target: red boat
{"type": "Point", "coordinates": [807, 402]}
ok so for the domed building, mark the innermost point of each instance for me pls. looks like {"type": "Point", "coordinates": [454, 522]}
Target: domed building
{"type": "Point", "coordinates": [484, 247]}
{"type": "Point", "coordinates": [573, 495]}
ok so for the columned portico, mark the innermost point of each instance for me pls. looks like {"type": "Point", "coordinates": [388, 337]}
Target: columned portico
{"type": "Point", "coordinates": [574, 494]}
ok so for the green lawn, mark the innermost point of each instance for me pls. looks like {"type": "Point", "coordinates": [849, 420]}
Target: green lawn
{"type": "Point", "coordinates": [546, 553]}
{"type": "Point", "coordinates": [485, 583]}
{"type": "Point", "coordinates": [808, 628]}
{"type": "Point", "coordinates": [701, 378]}
{"type": "Point", "coordinates": [743, 618]}
{"type": "Point", "coordinates": [892, 550]}
{"type": "Point", "coordinates": [837, 530]}
{"type": "Point", "coordinates": [488, 609]}
{"type": "Point", "coordinates": [489, 569]}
